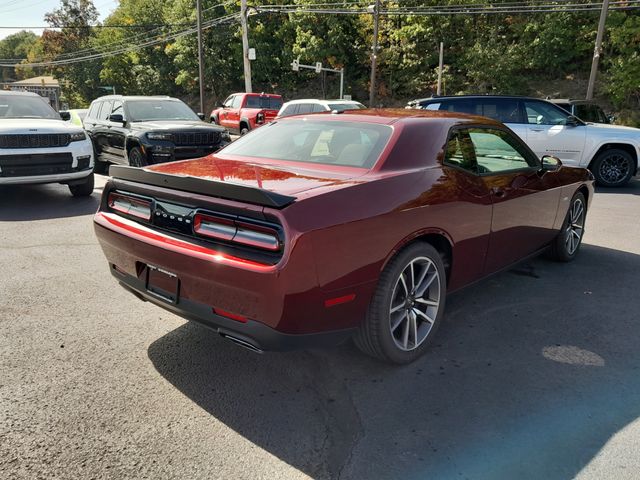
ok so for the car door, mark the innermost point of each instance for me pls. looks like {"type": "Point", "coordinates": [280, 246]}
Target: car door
{"type": "Point", "coordinates": [117, 132]}
{"type": "Point", "coordinates": [550, 132]}
{"type": "Point", "coordinates": [101, 129]}
{"type": "Point", "coordinates": [233, 114]}
{"type": "Point", "coordinates": [524, 199]}
{"type": "Point", "coordinates": [226, 107]}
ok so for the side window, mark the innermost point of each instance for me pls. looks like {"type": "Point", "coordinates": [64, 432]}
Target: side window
{"type": "Point", "coordinates": [305, 108]}
{"type": "Point", "coordinates": [505, 110]}
{"type": "Point", "coordinates": [93, 111]}
{"type": "Point", "coordinates": [540, 113]}
{"type": "Point", "coordinates": [318, 108]}
{"type": "Point", "coordinates": [431, 106]}
{"type": "Point", "coordinates": [105, 110]}
{"type": "Point", "coordinates": [117, 108]}
{"type": "Point", "coordinates": [227, 103]}
{"type": "Point", "coordinates": [497, 151]}
{"type": "Point", "coordinates": [237, 100]}
{"type": "Point", "coordinates": [460, 152]}
{"type": "Point", "coordinates": [459, 106]}
{"type": "Point", "coordinates": [290, 110]}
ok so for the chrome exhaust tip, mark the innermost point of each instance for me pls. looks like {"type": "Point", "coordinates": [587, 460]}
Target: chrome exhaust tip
{"type": "Point", "coordinates": [242, 343]}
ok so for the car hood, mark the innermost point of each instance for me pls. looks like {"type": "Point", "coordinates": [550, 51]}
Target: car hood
{"type": "Point", "coordinates": [604, 128]}
{"type": "Point", "coordinates": [282, 179]}
{"type": "Point", "coordinates": [26, 126]}
{"type": "Point", "coordinates": [173, 125]}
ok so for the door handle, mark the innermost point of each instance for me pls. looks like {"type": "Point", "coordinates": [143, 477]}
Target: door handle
{"type": "Point", "coordinates": [537, 129]}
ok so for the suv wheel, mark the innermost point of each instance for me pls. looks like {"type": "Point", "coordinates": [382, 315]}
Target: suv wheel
{"type": "Point", "coordinates": [136, 158]}
{"type": "Point", "coordinates": [83, 189]}
{"type": "Point", "coordinates": [243, 129]}
{"type": "Point", "coordinates": [613, 167]}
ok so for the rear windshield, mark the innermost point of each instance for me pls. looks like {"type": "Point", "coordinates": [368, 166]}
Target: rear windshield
{"type": "Point", "coordinates": [341, 107]}
{"type": "Point", "coordinates": [23, 106]}
{"type": "Point", "coordinates": [268, 103]}
{"type": "Point", "coordinates": [314, 141]}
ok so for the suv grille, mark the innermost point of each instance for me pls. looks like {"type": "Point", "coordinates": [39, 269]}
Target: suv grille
{"type": "Point", "coordinates": [36, 164]}
{"type": "Point", "coordinates": [36, 140]}
{"type": "Point", "coordinates": [196, 138]}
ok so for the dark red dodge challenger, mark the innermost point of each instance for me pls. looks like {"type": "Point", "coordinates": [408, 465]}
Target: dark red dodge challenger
{"type": "Point", "coordinates": [318, 228]}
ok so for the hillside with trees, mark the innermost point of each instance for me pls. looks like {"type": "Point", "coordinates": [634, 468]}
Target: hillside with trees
{"type": "Point", "coordinates": [514, 52]}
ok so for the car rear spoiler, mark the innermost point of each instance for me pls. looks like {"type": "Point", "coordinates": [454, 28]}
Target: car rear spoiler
{"type": "Point", "coordinates": [202, 186]}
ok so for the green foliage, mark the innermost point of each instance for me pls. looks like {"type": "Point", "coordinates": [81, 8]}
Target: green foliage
{"type": "Point", "coordinates": [16, 46]}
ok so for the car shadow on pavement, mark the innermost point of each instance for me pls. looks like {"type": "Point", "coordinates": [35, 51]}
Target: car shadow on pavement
{"type": "Point", "coordinates": [41, 202]}
{"type": "Point", "coordinates": [631, 188]}
{"type": "Point", "coordinates": [532, 372]}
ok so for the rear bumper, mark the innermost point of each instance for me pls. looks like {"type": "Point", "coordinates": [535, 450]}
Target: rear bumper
{"type": "Point", "coordinates": [251, 334]}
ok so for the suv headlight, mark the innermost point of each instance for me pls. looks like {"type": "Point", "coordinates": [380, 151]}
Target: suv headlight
{"type": "Point", "coordinates": [78, 136]}
{"type": "Point", "coordinates": [160, 136]}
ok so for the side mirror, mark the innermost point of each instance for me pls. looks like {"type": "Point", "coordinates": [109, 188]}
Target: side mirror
{"type": "Point", "coordinates": [66, 116]}
{"type": "Point", "coordinates": [116, 118]}
{"type": "Point", "coordinates": [573, 121]}
{"type": "Point", "coordinates": [201, 116]}
{"type": "Point", "coordinates": [551, 163]}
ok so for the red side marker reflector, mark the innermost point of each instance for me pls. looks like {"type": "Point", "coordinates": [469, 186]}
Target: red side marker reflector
{"type": "Point", "coordinates": [232, 316]}
{"type": "Point", "coordinates": [338, 300]}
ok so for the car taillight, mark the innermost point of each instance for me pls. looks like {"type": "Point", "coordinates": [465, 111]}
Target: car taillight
{"type": "Point", "coordinates": [221, 228]}
{"type": "Point", "coordinates": [130, 206]}
{"type": "Point", "coordinates": [260, 117]}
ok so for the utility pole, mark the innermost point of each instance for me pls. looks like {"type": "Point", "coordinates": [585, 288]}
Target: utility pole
{"type": "Point", "coordinates": [200, 56]}
{"type": "Point", "coordinates": [440, 65]}
{"type": "Point", "coordinates": [374, 53]}
{"type": "Point", "coordinates": [245, 47]}
{"type": "Point", "coordinates": [598, 49]}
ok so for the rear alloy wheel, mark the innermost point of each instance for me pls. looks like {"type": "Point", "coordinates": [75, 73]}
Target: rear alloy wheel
{"type": "Point", "coordinates": [243, 130]}
{"type": "Point", "coordinates": [566, 245]}
{"type": "Point", "coordinates": [136, 158]}
{"type": "Point", "coordinates": [83, 189]}
{"type": "Point", "coordinates": [613, 168]}
{"type": "Point", "coordinates": [407, 307]}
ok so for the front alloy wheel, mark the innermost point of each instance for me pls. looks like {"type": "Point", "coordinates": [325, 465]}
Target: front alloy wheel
{"type": "Point", "coordinates": [566, 245]}
{"type": "Point", "coordinates": [407, 306]}
{"type": "Point", "coordinates": [613, 168]}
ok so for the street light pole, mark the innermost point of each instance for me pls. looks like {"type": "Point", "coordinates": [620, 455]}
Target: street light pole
{"type": "Point", "coordinates": [245, 47]}
{"type": "Point", "coordinates": [200, 56]}
{"type": "Point", "coordinates": [374, 54]}
{"type": "Point", "coordinates": [597, 50]}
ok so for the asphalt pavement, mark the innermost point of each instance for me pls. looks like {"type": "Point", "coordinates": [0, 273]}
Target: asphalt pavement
{"type": "Point", "coordinates": [535, 373]}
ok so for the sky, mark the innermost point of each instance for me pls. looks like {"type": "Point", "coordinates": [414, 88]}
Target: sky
{"type": "Point", "coordinates": [30, 13]}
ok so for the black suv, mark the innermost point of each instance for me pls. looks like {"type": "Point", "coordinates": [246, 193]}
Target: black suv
{"type": "Point", "coordinates": [141, 131]}
{"type": "Point", "coordinates": [585, 110]}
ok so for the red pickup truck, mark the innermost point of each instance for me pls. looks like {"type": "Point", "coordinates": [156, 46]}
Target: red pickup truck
{"type": "Point", "coordinates": [242, 112]}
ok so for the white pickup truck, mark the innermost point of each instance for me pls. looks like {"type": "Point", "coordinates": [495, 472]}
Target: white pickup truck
{"type": "Point", "coordinates": [611, 152]}
{"type": "Point", "coordinates": [37, 146]}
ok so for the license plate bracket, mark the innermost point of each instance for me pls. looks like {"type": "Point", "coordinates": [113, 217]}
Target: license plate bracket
{"type": "Point", "coordinates": [162, 284]}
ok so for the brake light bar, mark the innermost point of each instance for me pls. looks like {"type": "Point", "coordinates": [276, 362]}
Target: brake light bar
{"type": "Point", "coordinates": [235, 231]}
{"type": "Point", "coordinates": [135, 207]}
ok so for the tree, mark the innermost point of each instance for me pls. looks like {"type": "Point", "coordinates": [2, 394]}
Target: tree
{"type": "Point", "coordinates": [16, 47]}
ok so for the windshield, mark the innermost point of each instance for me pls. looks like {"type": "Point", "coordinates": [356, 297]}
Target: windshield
{"type": "Point", "coordinates": [22, 106]}
{"type": "Point", "coordinates": [314, 141]}
{"type": "Point", "coordinates": [157, 109]}
{"type": "Point", "coordinates": [269, 103]}
{"type": "Point", "coordinates": [341, 107]}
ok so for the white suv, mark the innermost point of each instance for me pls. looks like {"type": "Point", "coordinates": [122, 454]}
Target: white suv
{"type": "Point", "coordinates": [37, 146]}
{"type": "Point", "coordinates": [611, 152]}
{"type": "Point", "coordinates": [312, 105]}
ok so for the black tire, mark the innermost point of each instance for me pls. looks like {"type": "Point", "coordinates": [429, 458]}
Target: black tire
{"type": "Point", "coordinates": [376, 335]}
{"type": "Point", "coordinates": [101, 167]}
{"type": "Point", "coordinates": [613, 167]}
{"type": "Point", "coordinates": [243, 129]}
{"type": "Point", "coordinates": [136, 159]}
{"type": "Point", "coordinates": [566, 245]}
{"type": "Point", "coordinates": [215, 120]}
{"type": "Point", "coordinates": [83, 189]}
